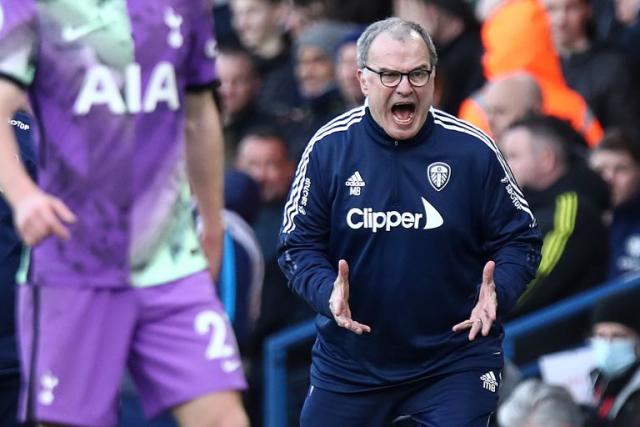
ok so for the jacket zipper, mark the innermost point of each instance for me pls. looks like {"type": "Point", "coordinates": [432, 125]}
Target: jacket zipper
{"type": "Point", "coordinates": [395, 200]}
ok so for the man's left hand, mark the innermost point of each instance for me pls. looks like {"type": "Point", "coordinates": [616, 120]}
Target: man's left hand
{"type": "Point", "coordinates": [484, 313]}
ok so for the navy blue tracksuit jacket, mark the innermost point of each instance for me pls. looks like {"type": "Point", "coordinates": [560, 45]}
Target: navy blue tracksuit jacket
{"type": "Point", "coordinates": [416, 220]}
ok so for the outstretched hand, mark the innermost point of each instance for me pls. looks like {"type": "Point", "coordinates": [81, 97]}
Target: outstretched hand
{"type": "Point", "coordinates": [339, 301]}
{"type": "Point", "coordinates": [484, 313]}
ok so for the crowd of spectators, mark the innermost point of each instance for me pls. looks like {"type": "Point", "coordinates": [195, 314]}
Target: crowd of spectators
{"type": "Point", "coordinates": [554, 82]}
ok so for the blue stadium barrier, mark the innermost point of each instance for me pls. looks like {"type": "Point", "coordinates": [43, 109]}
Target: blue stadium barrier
{"type": "Point", "coordinates": [277, 345]}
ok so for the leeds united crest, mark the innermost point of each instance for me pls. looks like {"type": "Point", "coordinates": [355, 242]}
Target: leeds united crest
{"type": "Point", "coordinates": [438, 174]}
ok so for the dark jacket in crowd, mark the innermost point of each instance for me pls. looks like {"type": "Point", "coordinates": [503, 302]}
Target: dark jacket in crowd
{"type": "Point", "coordinates": [624, 238]}
{"type": "Point", "coordinates": [603, 77]}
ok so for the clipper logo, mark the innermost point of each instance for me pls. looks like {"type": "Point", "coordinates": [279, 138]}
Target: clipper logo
{"type": "Point", "coordinates": [438, 174]}
{"type": "Point", "coordinates": [369, 219]}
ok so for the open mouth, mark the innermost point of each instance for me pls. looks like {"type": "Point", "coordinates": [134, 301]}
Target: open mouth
{"type": "Point", "coordinates": [403, 112]}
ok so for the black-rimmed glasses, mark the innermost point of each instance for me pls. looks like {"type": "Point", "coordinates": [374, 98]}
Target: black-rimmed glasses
{"type": "Point", "coordinates": [392, 78]}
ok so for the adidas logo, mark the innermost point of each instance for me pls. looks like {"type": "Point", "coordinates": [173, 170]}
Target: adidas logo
{"type": "Point", "coordinates": [489, 381]}
{"type": "Point", "coordinates": [355, 182]}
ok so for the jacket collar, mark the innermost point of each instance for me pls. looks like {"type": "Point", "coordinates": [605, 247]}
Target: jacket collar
{"type": "Point", "coordinates": [378, 134]}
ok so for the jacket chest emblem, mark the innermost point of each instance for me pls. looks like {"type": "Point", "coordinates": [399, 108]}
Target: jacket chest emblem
{"type": "Point", "coordinates": [438, 175]}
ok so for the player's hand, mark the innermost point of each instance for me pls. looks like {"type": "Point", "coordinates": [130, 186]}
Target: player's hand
{"type": "Point", "coordinates": [339, 301]}
{"type": "Point", "coordinates": [212, 239]}
{"type": "Point", "coordinates": [484, 313]}
{"type": "Point", "coordinates": [38, 215]}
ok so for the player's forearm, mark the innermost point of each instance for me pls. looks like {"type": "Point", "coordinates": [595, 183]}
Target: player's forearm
{"type": "Point", "coordinates": [204, 154]}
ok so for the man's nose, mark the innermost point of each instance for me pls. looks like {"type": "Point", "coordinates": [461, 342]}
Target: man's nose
{"type": "Point", "coordinates": [404, 87]}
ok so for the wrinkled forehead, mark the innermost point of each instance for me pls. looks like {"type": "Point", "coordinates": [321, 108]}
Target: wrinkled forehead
{"type": "Point", "coordinates": [392, 50]}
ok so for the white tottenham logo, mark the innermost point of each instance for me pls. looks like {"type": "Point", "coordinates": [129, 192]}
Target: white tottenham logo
{"type": "Point", "coordinates": [438, 174]}
{"type": "Point", "coordinates": [367, 218]}
{"type": "Point", "coordinates": [100, 88]}
{"type": "Point", "coordinates": [173, 21]}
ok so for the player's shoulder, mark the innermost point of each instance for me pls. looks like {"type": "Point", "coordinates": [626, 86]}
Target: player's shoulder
{"type": "Point", "coordinates": [462, 132]}
{"type": "Point", "coordinates": [339, 129]}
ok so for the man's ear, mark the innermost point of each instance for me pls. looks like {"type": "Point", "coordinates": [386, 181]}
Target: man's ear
{"type": "Point", "coordinates": [363, 82]}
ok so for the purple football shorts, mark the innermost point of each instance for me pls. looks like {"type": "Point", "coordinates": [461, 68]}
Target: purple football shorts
{"type": "Point", "coordinates": [75, 343]}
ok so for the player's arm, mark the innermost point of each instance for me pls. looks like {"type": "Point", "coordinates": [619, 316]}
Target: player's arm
{"type": "Point", "coordinates": [512, 238]}
{"type": "Point", "coordinates": [14, 179]}
{"type": "Point", "coordinates": [205, 155]}
{"type": "Point", "coordinates": [36, 214]}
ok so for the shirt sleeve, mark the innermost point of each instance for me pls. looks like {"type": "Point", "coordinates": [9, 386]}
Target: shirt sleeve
{"type": "Point", "coordinates": [201, 71]}
{"type": "Point", "coordinates": [512, 237]}
{"type": "Point", "coordinates": [304, 236]}
{"type": "Point", "coordinates": [18, 41]}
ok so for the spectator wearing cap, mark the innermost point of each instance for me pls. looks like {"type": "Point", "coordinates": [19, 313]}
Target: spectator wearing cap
{"type": "Point", "coordinates": [314, 70]}
{"type": "Point", "coordinates": [456, 34]}
{"type": "Point", "coordinates": [616, 346]}
{"type": "Point", "coordinates": [346, 67]}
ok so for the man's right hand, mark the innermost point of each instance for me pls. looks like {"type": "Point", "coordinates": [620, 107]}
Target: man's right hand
{"type": "Point", "coordinates": [339, 302]}
{"type": "Point", "coordinates": [37, 215]}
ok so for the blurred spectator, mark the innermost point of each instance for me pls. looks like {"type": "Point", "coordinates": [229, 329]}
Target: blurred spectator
{"type": "Point", "coordinates": [544, 163]}
{"type": "Point", "coordinates": [616, 345]}
{"type": "Point", "coordinates": [516, 37]}
{"type": "Point", "coordinates": [238, 90]}
{"type": "Point", "coordinates": [627, 33]}
{"type": "Point", "coordinates": [346, 66]}
{"type": "Point", "coordinates": [600, 74]}
{"type": "Point", "coordinates": [263, 155]}
{"type": "Point", "coordinates": [617, 160]}
{"type": "Point", "coordinates": [314, 69]}
{"type": "Point", "coordinates": [510, 98]}
{"type": "Point", "coordinates": [456, 34]}
{"type": "Point", "coordinates": [303, 13]}
{"type": "Point", "coordinates": [242, 270]}
{"type": "Point", "coordinates": [354, 12]}
{"type": "Point", "coordinates": [536, 404]}
{"type": "Point", "coordinates": [10, 253]}
{"type": "Point", "coordinates": [259, 24]}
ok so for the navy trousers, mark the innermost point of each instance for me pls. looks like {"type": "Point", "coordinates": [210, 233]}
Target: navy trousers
{"type": "Point", "coordinates": [463, 399]}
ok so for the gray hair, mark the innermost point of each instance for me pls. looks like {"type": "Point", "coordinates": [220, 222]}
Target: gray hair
{"type": "Point", "coordinates": [534, 403]}
{"type": "Point", "coordinates": [398, 29]}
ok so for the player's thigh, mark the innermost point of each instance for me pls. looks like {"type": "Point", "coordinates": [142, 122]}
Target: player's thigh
{"type": "Point", "coordinates": [73, 345]}
{"type": "Point", "coordinates": [221, 409]}
{"type": "Point", "coordinates": [464, 399]}
{"type": "Point", "coordinates": [324, 408]}
{"type": "Point", "coordinates": [184, 347]}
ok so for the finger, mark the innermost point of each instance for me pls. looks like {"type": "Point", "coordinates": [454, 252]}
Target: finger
{"type": "Point", "coordinates": [486, 326]}
{"type": "Point", "coordinates": [53, 225]}
{"type": "Point", "coordinates": [462, 326]}
{"type": "Point", "coordinates": [343, 270]}
{"type": "Point", "coordinates": [62, 211]}
{"type": "Point", "coordinates": [476, 326]}
{"type": "Point", "coordinates": [487, 272]}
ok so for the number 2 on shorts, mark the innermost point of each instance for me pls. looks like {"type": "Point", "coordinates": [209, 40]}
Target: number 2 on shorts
{"type": "Point", "coordinates": [211, 321]}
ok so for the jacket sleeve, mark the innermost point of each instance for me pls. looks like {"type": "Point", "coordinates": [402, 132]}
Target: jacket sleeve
{"type": "Point", "coordinates": [304, 235]}
{"type": "Point", "coordinates": [511, 236]}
